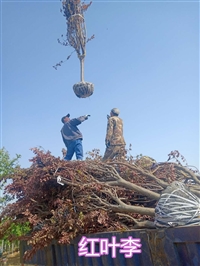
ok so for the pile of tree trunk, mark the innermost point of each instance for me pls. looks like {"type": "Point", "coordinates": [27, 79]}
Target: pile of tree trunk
{"type": "Point", "coordinates": [63, 199]}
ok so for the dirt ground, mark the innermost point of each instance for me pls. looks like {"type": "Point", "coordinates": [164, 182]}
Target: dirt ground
{"type": "Point", "coordinates": [13, 260]}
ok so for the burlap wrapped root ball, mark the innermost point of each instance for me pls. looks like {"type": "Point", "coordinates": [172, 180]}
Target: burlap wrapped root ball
{"type": "Point", "coordinates": [83, 89]}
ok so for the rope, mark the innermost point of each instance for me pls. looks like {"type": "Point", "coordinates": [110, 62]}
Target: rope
{"type": "Point", "coordinates": [178, 207]}
{"type": "Point", "coordinates": [76, 15]}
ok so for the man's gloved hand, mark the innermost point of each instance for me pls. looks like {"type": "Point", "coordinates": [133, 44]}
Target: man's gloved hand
{"type": "Point", "coordinates": [108, 116]}
{"type": "Point", "coordinates": [86, 117]}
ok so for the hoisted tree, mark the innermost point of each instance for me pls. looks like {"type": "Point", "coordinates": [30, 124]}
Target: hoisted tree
{"type": "Point", "coordinates": [73, 11]}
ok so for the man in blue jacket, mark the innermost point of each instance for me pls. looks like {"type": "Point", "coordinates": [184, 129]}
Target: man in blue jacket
{"type": "Point", "coordinates": [72, 137]}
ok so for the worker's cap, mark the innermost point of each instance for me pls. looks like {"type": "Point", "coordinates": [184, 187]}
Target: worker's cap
{"type": "Point", "coordinates": [115, 111]}
{"type": "Point", "coordinates": [62, 119]}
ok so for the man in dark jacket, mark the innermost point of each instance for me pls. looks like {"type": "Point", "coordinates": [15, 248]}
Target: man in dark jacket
{"type": "Point", "coordinates": [72, 137]}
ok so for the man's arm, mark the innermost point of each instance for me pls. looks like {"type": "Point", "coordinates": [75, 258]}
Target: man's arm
{"type": "Point", "coordinates": [79, 120]}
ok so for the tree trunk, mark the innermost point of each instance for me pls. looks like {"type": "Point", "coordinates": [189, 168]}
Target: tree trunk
{"type": "Point", "coordinates": [82, 68]}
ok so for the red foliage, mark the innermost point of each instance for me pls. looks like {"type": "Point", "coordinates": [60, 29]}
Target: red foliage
{"type": "Point", "coordinates": [83, 204]}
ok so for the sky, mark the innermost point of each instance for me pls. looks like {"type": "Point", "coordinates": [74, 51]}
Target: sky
{"type": "Point", "coordinates": [144, 60]}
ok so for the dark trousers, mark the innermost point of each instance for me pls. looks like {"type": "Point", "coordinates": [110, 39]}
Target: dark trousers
{"type": "Point", "coordinates": [74, 146]}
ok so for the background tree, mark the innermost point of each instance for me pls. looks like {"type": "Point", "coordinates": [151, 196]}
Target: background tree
{"type": "Point", "coordinates": [7, 168]}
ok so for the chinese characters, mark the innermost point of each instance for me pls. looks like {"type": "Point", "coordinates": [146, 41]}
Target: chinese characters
{"type": "Point", "coordinates": [127, 246]}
